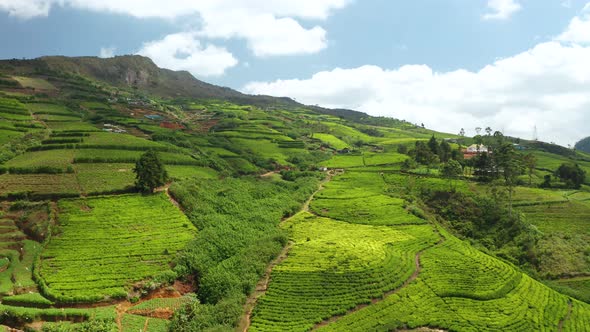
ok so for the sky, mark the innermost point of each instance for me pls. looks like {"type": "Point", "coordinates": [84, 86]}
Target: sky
{"type": "Point", "coordinates": [512, 65]}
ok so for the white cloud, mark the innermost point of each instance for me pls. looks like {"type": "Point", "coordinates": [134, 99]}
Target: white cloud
{"type": "Point", "coordinates": [502, 9]}
{"type": "Point", "coordinates": [546, 87]}
{"type": "Point", "coordinates": [107, 52]}
{"type": "Point", "coordinates": [578, 31]}
{"type": "Point", "coordinates": [266, 35]}
{"type": "Point", "coordinates": [182, 51]}
{"type": "Point", "coordinates": [26, 9]}
{"type": "Point", "coordinates": [269, 27]}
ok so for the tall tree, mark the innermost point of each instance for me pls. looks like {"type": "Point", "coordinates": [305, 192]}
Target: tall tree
{"type": "Point", "coordinates": [510, 164]}
{"type": "Point", "coordinates": [149, 172]}
{"type": "Point", "coordinates": [433, 145]}
{"type": "Point", "coordinates": [530, 162]}
{"type": "Point", "coordinates": [444, 151]}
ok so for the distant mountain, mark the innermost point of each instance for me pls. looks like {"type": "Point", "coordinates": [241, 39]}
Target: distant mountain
{"type": "Point", "coordinates": [137, 72]}
{"type": "Point", "coordinates": [583, 145]}
{"type": "Point", "coordinates": [140, 72]}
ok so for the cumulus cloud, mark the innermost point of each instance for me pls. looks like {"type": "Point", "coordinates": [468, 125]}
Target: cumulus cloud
{"type": "Point", "coordinates": [183, 51]}
{"type": "Point", "coordinates": [545, 86]}
{"type": "Point", "coordinates": [269, 27]}
{"type": "Point", "coordinates": [107, 52]}
{"type": "Point", "coordinates": [502, 9]}
{"type": "Point", "coordinates": [266, 35]}
{"type": "Point", "coordinates": [578, 30]}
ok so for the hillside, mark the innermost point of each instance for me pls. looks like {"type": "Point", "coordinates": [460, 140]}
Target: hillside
{"type": "Point", "coordinates": [583, 145]}
{"type": "Point", "coordinates": [276, 217]}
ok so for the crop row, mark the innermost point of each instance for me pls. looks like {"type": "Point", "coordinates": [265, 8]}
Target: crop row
{"type": "Point", "coordinates": [461, 290]}
{"type": "Point", "coordinates": [334, 266]}
{"type": "Point", "coordinates": [104, 244]}
{"type": "Point", "coordinates": [373, 210]}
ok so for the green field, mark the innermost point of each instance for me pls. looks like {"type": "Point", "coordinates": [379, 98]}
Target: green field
{"type": "Point", "coordinates": [105, 177]}
{"type": "Point", "coordinates": [129, 156]}
{"type": "Point", "coordinates": [8, 135]}
{"type": "Point", "coordinates": [463, 290]}
{"type": "Point", "coordinates": [105, 244]}
{"type": "Point", "coordinates": [124, 140]}
{"type": "Point", "coordinates": [332, 140]}
{"type": "Point", "coordinates": [40, 184]}
{"type": "Point", "coordinates": [72, 126]}
{"type": "Point", "coordinates": [570, 218]}
{"type": "Point", "coordinates": [53, 109]}
{"type": "Point", "coordinates": [334, 266]}
{"type": "Point", "coordinates": [51, 158]}
{"type": "Point", "coordinates": [35, 83]}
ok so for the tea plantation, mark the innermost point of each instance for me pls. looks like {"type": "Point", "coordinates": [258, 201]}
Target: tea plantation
{"type": "Point", "coordinates": [272, 216]}
{"type": "Point", "coordinates": [105, 244]}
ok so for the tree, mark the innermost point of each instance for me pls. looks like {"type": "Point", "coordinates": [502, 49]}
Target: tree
{"type": "Point", "coordinates": [444, 151]}
{"type": "Point", "coordinates": [571, 174]}
{"type": "Point", "coordinates": [149, 172]}
{"type": "Point", "coordinates": [462, 132]}
{"type": "Point", "coordinates": [452, 170]}
{"type": "Point", "coordinates": [530, 162]}
{"type": "Point", "coordinates": [510, 164]}
{"type": "Point", "coordinates": [489, 131]}
{"type": "Point", "coordinates": [433, 145]}
{"type": "Point", "coordinates": [421, 153]}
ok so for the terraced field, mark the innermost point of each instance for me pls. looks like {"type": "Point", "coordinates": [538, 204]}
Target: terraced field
{"type": "Point", "coordinates": [420, 282]}
{"type": "Point", "coordinates": [569, 218]}
{"type": "Point", "coordinates": [105, 244]}
{"type": "Point", "coordinates": [335, 266]}
{"type": "Point", "coordinates": [446, 296]}
{"type": "Point", "coordinates": [373, 210]}
{"type": "Point", "coordinates": [38, 184]}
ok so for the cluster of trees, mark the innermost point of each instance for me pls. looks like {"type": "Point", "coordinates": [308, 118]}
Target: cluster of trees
{"type": "Point", "coordinates": [430, 153]}
{"type": "Point", "coordinates": [571, 174]}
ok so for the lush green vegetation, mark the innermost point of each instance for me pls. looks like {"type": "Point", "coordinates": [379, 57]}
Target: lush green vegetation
{"type": "Point", "coordinates": [334, 266]}
{"type": "Point", "coordinates": [104, 244]}
{"type": "Point", "coordinates": [408, 234]}
{"type": "Point", "coordinates": [238, 235]}
{"type": "Point", "coordinates": [446, 296]}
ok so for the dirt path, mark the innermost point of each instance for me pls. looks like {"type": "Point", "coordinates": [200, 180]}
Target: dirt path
{"type": "Point", "coordinates": [166, 189]}
{"type": "Point", "coordinates": [261, 288]}
{"type": "Point", "coordinates": [145, 326]}
{"type": "Point", "coordinates": [121, 309]}
{"type": "Point", "coordinates": [567, 316]}
{"type": "Point", "coordinates": [413, 277]}
{"type": "Point", "coordinates": [268, 174]}
{"type": "Point", "coordinates": [305, 207]}
{"type": "Point", "coordinates": [262, 285]}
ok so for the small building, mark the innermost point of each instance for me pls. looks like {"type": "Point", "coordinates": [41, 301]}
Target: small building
{"type": "Point", "coordinates": [322, 168]}
{"type": "Point", "coordinates": [475, 149]}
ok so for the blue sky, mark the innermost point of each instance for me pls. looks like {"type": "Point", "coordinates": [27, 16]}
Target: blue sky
{"type": "Point", "coordinates": [428, 56]}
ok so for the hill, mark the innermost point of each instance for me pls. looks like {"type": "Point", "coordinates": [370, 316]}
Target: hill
{"type": "Point", "coordinates": [583, 145]}
{"type": "Point", "coordinates": [134, 71]}
{"type": "Point", "coordinates": [278, 216]}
